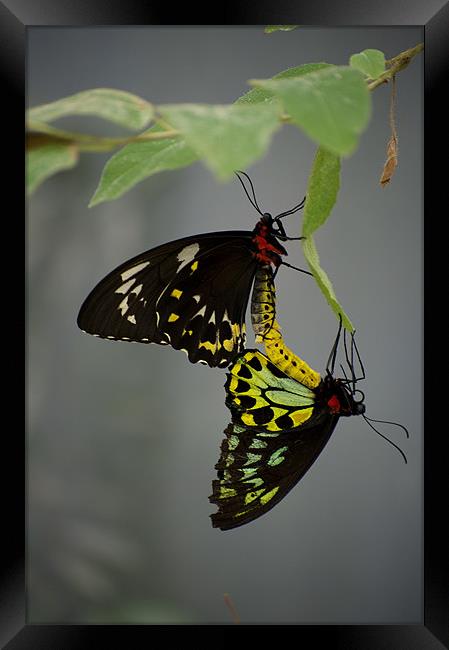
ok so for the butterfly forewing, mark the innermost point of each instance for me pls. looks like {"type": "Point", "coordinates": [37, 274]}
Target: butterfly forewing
{"type": "Point", "coordinates": [191, 293]}
{"type": "Point", "coordinates": [203, 310]}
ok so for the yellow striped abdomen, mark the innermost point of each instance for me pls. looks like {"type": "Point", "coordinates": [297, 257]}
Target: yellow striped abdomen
{"type": "Point", "coordinates": [268, 331]}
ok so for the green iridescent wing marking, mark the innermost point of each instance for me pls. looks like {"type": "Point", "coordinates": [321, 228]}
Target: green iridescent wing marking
{"type": "Point", "coordinates": [278, 430]}
{"type": "Point", "coordinates": [258, 468]}
{"type": "Point", "coordinates": [260, 395]}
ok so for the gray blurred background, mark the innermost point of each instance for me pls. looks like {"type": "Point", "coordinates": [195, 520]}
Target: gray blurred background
{"type": "Point", "coordinates": [123, 438]}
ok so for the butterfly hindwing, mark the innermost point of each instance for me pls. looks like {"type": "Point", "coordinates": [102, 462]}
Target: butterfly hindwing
{"type": "Point", "coordinates": [278, 430]}
{"type": "Point", "coordinates": [259, 394]}
{"type": "Point", "coordinates": [257, 468]}
{"type": "Point", "coordinates": [191, 293]}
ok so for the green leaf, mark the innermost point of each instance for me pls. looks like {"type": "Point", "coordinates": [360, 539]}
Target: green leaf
{"type": "Point", "coordinates": [282, 28]}
{"type": "Point", "coordinates": [332, 105]}
{"type": "Point", "coordinates": [322, 190]}
{"type": "Point", "coordinates": [116, 106]}
{"type": "Point", "coordinates": [322, 279]}
{"type": "Point", "coordinates": [258, 95]}
{"type": "Point", "coordinates": [136, 161]}
{"type": "Point", "coordinates": [47, 156]}
{"type": "Point", "coordinates": [370, 62]}
{"type": "Point", "coordinates": [226, 137]}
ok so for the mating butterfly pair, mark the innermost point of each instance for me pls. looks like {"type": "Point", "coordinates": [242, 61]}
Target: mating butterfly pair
{"type": "Point", "coordinates": [192, 294]}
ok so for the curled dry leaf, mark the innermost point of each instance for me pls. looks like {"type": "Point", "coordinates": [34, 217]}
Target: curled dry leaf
{"type": "Point", "coordinates": [390, 162]}
{"type": "Point", "coordinates": [392, 147]}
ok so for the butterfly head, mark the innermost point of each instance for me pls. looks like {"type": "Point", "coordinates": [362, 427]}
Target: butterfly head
{"type": "Point", "coordinates": [341, 394]}
{"type": "Point", "coordinates": [272, 224]}
{"type": "Point", "coordinates": [341, 399]}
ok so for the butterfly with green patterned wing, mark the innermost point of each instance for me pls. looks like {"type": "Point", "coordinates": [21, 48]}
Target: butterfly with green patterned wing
{"type": "Point", "coordinates": [279, 427]}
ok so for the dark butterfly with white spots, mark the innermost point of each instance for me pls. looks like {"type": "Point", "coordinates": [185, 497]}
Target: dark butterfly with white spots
{"type": "Point", "coordinates": [191, 293]}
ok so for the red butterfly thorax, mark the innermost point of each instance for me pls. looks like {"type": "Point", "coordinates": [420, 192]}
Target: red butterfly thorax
{"type": "Point", "coordinates": [268, 248]}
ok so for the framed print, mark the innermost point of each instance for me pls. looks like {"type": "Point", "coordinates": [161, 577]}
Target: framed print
{"type": "Point", "coordinates": [122, 439]}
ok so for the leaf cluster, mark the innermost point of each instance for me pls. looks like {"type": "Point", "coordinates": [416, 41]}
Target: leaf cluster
{"type": "Point", "coordinates": [331, 104]}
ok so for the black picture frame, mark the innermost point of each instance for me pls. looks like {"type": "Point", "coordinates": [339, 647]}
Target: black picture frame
{"type": "Point", "coordinates": [16, 16]}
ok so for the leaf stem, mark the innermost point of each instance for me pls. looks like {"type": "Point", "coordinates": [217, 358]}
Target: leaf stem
{"type": "Point", "coordinates": [98, 143]}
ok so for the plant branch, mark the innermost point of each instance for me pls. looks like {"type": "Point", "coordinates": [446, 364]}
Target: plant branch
{"type": "Point", "coordinates": [396, 64]}
{"type": "Point", "coordinates": [97, 143]}
{"type": "Point", "coordinates": [86, 142]}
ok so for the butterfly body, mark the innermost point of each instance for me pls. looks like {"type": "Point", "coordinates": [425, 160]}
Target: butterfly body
{"type": "Point", "coordinates": [279, 428]}
{"type": "Point", "coordinates": [267, 248]}
{"type": "Point", "coordinates": [283, 414]}
{"type": "Point", "coordinates": [191, 293]}
{"type": "Point", "coordinates": [268, 331]}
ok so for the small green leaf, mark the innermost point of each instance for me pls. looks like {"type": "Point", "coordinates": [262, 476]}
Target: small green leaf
{"type": "Point", "coordinates": [226, 137]}
{"type": "Point", "coordinates": [269, 29]}
{"type": "Point", "coordinates": [116, 106]}
{"type": "Point", "coordinates": [258, 95]}
{"type": "Point", "coordinates": [370, 62]}
{"type": "Point", "coordinates": [322, 190]}
{"type": "Point", "coordinates": [322, 279]}
{"type": "Point", "coordinates": [47, 156]}
{"type": "Point", "coordinates": [136, 161]}
{"type": "Point", "coordinates": [332, 105]}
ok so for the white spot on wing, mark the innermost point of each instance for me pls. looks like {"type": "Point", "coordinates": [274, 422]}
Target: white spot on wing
{"type": "Point", "coordinates": [123, 306]}
{"type": "Point", "coordinates": [187, 255]}
{"type": "Point", "coordinates": [197, 298]}
{"type": "Point", "coordinates": [201, 312]}
{"type": "Point", "coordinates": [132, 319]}
{"type": "Point", "coordinates": [133, 271]}
{"type": "Point", "coordinates": [212, 318]}
{"type": "Point", "coordinates": [137, 289]}
{"type": "Point", "coordinates": [124, 288]}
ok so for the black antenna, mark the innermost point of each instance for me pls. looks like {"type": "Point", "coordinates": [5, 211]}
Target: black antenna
{"type": "Point", "coordinates": [253, 202]}
{"type": "Point", "coordinates": [396, 424]}
{"type": "Point", "coordinates": [384, 437]}
{"type": "Point", "coordinates": [292, 210]}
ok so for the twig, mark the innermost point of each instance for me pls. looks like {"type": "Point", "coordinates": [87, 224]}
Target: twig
{"type": "Point", "coordinates": [98, 143]}
{"type": "Point", "coordinates": [396, 64]}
